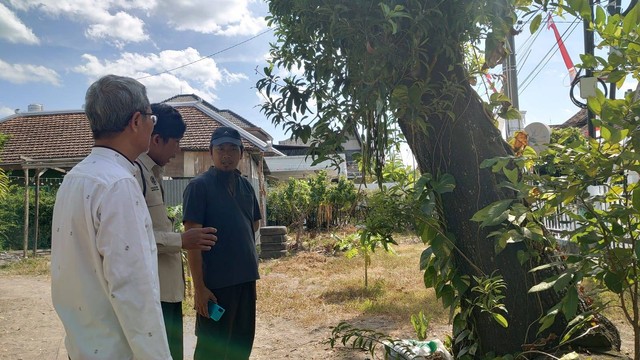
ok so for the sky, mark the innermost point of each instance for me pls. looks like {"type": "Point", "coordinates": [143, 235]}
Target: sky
{"type": "Point", "coordinates": [52, 50]}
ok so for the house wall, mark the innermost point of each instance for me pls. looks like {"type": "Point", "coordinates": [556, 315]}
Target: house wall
{"type": "Point", "coordinates": [195, 163]}
{"type": "Point", "coordinates": [351, 144]}
{"type": "Point", "coordinates": [175, 167]}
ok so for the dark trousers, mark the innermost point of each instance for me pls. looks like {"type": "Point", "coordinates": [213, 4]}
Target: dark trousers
{"type": "Point", "coordinates": [231, 337]}
{"type": "Point", "coordinates": [172, 313]}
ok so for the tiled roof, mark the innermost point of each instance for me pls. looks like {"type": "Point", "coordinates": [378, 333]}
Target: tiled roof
{"type": "Point", "coordinates": [199, 129]}
{"type": "Point", "coordinates": [236, 119]}
{"type": "Point", "coordinates": [228, 114]}
{"type": "Point", "coordinates": [66, 134]}
{"type": "Point", "coordinates": [578, 120]}
{"type": "Point", "coordinates": [189, 98]}
{"type": "Point", "coordinates": [46, 136]}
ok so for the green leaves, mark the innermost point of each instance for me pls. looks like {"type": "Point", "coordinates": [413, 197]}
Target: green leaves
{"type": "Point", "coordinates": [493, 214]}
{"type": "Point", "coordinates": [535, 23]}
{"type": "Point", "coordinates": [500, 320]}
{"type": "Point", "coordinates": [630, 22]}
{"type": "Point", "coordinates": [580, 7]}
{"type": "Point", "coordinates": [444, 184]}
{"type": "Point", "coordinates": [614, 282]}
{"type": "Point", "coordinates": [635, 199]}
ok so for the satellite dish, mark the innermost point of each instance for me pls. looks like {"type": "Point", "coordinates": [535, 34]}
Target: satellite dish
{"type": "Point", "coordinates": [539, 135]}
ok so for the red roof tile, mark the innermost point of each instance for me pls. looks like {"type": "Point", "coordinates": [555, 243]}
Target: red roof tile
{"type": "Point", "coordinates": [63, 135]}
{"type": "Point", "coordinates": [46, 136]}
{"type": "Point", "coordinates": [199, 129]}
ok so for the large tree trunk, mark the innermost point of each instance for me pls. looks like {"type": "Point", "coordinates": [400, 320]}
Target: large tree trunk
{"type": "Point", "coordinates": [457, 146]}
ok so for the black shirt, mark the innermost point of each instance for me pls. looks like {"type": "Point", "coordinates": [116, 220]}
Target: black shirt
{"type": "Point", "coordinates": [210, 201]}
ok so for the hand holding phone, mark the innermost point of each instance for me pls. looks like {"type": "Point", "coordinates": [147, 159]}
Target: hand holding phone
{"type": "Point", "coordinates": [215, 311]}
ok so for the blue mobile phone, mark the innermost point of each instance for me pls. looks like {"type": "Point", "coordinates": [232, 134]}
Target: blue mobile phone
{"type": "Point", "coordinates": [215, 311]}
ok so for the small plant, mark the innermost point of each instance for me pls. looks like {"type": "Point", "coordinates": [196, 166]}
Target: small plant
{"type": "Point", "coordinates": [364, 243]}
{"type": "Point", "coordinates": [363, 339]}
{"type": "Point", "coordinates": [420, 324]}
{"type": "Point", "coordinates": [175, 214]}
{"type": "Point", "coordinates": [346, 244]}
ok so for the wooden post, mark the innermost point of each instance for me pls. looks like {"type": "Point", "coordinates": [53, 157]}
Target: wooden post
{"type": "Point", "coordinates": [262, 189]}
{"type": "Point", "coordinates": [36, 219]}
{"type": "Point", "coordinates": [26, 213]}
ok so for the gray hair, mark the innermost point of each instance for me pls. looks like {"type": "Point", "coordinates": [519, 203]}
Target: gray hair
{"type": "Point", "coordinates": [111, 101]}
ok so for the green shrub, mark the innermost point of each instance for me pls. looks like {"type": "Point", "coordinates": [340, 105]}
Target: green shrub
{"type": "Point", "coordinates": [343, 197]}
{"type": "Point", "coordinates": [388, 211]}
{"type": "Point", "coordinates": [314, 202]}
{"type": "Point", "coordinates": [175, 214]}
{"type": "Point", "coordinates": [12, 218]}
{"type": "Point", "coordinates": [288, 203]}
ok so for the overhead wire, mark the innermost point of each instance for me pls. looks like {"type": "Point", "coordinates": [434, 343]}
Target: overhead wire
{"type": "Point", "coordinates": [522, 25]}
{"type": "Point", "coordinates": [206, 57]}
{"type": "Point", "coordinates": [528, 44]}
{"type": "Point", "coordinates": [546, 58]}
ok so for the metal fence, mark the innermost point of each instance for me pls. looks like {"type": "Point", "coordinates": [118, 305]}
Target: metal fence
{"type": "Point", "coordinates": [173, 190]}
{"type": "Point", "coordinates": [561, 222]}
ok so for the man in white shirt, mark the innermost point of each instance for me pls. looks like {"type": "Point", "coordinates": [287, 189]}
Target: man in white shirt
{"type": "Point", "coordinates": [104, 273]}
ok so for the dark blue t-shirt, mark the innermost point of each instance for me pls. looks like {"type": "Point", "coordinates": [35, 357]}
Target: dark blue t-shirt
{"type": "Point", "coordinates": [207, 200]}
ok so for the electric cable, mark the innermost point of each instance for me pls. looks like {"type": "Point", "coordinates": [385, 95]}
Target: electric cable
{"type": "Point", "coordinates": [523, 61]}
{"type": "Point", "coordinates": [522, 24]}
{"type": "Point", "coordinates": [528, 52]}
{"type": "Point", "coordinates": [552, 51]}
{"type": "Point", "coordinates": [575, 82]}
{"type": "Point", "coordinates": [206, 57]}
{"type": "Point", "coordinates": [548, 56]}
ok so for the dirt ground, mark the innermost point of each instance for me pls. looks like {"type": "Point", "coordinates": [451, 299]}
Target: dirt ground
{"type": "Point", "coordinates": [30, 329]}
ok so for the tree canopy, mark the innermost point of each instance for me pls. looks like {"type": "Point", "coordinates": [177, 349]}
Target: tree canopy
{"type": "Point", "coordinates": [369, 66]}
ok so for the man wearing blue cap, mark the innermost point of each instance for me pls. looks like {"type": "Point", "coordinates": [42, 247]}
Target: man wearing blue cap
{"type": "Point", "coordinates": [223, 199]}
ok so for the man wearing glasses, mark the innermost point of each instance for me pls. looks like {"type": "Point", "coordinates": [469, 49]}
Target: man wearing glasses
{"type": "Point", "coordinates": [165, 143]}
{"type": "Point", "coordinates": [104, 272]}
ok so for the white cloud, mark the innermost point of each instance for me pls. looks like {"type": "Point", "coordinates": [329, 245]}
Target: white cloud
{"type": "Point", "coordinates": [219, 17]}
{"type": "Point", "coordinates": [24, 73]}
{"type": "Point", "coordinates": [5, 111]}
{"type": "Point", "coordinates": [114, 20]}
{"type": "Point", "coordinates": [122, 27]}
{"type": "Point", "coordinates": [103, 17]}
{"type": "Point", "coordinates": [230, 77]}
{"type": "Point", "coordinates": [13, 30]}
{"type": "Point", "coordinates": [201, 77]}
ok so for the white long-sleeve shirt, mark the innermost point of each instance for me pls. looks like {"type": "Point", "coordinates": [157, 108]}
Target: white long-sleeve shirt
{"type": "Point", "coordinates": [104, 274]}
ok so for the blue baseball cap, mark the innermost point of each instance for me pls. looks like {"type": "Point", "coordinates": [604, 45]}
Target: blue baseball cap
{"type": "Point", "coordinates": [225, 134]}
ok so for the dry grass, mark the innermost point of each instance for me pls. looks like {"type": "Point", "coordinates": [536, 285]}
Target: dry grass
{"type": "Point", "coordinates": [33, 266]}
{"type": "Point", "coordinates": [314, 288]}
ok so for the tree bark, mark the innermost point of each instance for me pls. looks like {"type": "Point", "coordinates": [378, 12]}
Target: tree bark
{"type": "Point", "coordinates": [458, 146]}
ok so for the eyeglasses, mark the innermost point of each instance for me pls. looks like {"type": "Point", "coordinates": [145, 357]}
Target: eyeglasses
{"type": "Point", "coordinates": [153, 118]}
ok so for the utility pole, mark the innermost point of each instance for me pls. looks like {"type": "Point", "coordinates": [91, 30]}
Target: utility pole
{"type": "Point", "coordinates": [613, 8]}
{"type": "Point", "coordinates": [509, 70]}
{"type": "Point", "coordinates": [588, 50]}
